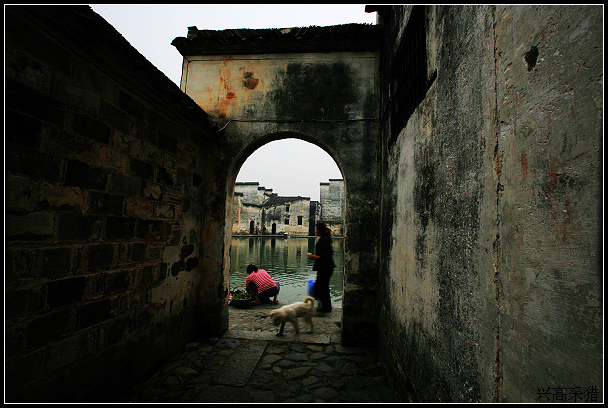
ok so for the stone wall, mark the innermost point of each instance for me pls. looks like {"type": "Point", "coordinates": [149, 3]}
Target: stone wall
{"type": "Point", "coordinates": [491, 279]}
{"type": "Point", "coordinates": [104, 198]}
{"type": "Point", "coordinates": [284, 86]}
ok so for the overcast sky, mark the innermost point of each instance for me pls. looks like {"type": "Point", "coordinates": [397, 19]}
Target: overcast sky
{"type": "Point", "coordinates": [151, 29]}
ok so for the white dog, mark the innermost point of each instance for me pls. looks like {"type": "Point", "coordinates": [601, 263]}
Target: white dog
{"type": "Point", "coordinates": [290, 313]}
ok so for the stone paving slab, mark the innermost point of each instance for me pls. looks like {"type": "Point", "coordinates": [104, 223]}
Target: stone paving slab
{"type": "Point", "coordinates": [311, 338]}
{"type": "Point", "coordinates": [250, 364]}
{"type": "Point", "coordinates": [239, 366]}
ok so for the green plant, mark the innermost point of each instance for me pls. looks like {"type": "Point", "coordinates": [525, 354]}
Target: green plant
{"type": "Point", "coordinates": [242, 296]}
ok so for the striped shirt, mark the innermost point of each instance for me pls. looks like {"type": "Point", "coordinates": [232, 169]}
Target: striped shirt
{"type": "Point", "coordinates": [262, 280]}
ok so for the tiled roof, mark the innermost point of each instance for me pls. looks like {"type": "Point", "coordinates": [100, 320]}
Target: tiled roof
{"type": "Point", "coordinates": [344, 37]}
{"type": "Point", "coordinates": [277, 200]}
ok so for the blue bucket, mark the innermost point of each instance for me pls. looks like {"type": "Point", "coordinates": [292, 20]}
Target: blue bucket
{"type": "Point", "coordinates": [310, 285]}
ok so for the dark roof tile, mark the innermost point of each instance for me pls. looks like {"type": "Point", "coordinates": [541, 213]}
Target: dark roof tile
{"type": "Point", "coordinates": [344, 37]}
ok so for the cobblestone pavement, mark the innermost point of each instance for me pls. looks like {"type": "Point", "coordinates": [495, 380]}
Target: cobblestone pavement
{"type": "Point", "coordinates": [251, 364]}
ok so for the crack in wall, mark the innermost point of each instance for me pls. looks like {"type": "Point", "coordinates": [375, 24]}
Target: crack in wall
{"type": "Point", "coordinates": [497, 158]}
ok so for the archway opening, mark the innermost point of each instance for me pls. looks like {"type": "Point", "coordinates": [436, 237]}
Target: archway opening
{"type": "Point", "coordinates": [283, 188]}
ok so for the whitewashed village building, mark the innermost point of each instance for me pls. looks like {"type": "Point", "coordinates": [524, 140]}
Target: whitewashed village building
{"type": "Point", "coordinates": [257, 210]}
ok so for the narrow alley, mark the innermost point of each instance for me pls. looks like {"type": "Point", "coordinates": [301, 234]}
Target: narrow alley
{"type": "Point", "coordinates": [251, 364]}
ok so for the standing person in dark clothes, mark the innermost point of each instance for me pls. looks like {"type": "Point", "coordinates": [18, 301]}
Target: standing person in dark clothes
{"type": "Point", "coordinates": [324, 265]}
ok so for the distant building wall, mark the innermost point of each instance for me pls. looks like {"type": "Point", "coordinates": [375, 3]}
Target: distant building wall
{"type": "Point", "coordinates": [332, 200]}
{"type": "Point", "coordinates": [290, 215]}
{"type": "Point", "coordinates": [274, 215]}
{"type": "Point", "coordinates": [252, 192]}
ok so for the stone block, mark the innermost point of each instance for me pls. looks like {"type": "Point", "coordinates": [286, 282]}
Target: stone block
{"type": "Point", "coordinates": [164, 176]}
{"type": "Point", "coordinates": [92, 128]}
{"type": "Point", "coordinates": [149, 274]}
{"type": "Point", "coordinates": [21, 129]}
{"type": "Point", "coordinates": [113, 159]}
{"type": "Point", "coordinates": [24, 369]}
{"type": "Point", "coordinates": [131, 105]}
{"type": "Point", "coordinates": [106, 204]}
{"type": "Point", "coordinates": [19, 98]}
{"type": "Point", "coordinates": [137, 207]}
{"type": "Point", "coordinates": [176, 235]}
{"type": "Point", "coordinates": [32, 163]}
{"type": "Point", "coordinates": [54, 141]}
{"type": "Point", "coordinates": [164, 210]}
{"type": "Point", "coordinates": [94, 312]}
{"type": "Point", "coordinates": [74, 226]}
{"type": "Point", "coordinates": [33, 226]}
{"type": "Point", "coordinates": [153, 191]}
{"type": "Point", "coordinates": [146, 133]}
{"type": "Point", "coordinates": [183, 176]}
{"type": "Point", "coordinates": [65, 291]}
{"type": "Point", "coordinates": [66, 352]}
{"type": "Point", "coordinates": [152, 229]}
{"type": "Point", "coordinates": [141, 169]}
{"type": "Point", "coordinates": [120, 228]}
{"type": "Point", "coordinates": [56, 261]}
{"type": "Point", "coordinates": [47, 328]}
{"type": "Point", "coordinates": [53, 196]}
{"type": "Point", "coordinates": [16, 303]}
{"type": "Point", "coordinates": [18, 193]}
{"type": "Point", "coordinates": [82, 175]}
{"type": "Point", "coordinates": [115, 330]}
{"type": "Point", "coordinates": [75, 93]}
{"type": "Point", "coordinates": [27, 70]}
{"type": "Point", "coordinates": [124, 185]}
{"type": "Point", "coordinates": [48, 52]}
{"type": "Point", "coordinates": [99, 256]}
{"type": "Point", "coordinates": [21, 263]}
{"type": "Point", "coordinates": [166, 142]}
{"type": "Point", "coordinates": [116, 282]}
{"type": "Point", "coordinates": [137, 252]}
{"type": "Point", "coordinates": [118, 119]}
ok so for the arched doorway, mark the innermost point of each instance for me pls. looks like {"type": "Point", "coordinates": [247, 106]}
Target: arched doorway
{"type": "Point", "coordinates": [286, 191]}
{"type": "Point", "coordinates": [359, 165]}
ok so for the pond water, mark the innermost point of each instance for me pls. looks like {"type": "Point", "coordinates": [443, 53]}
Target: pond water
{"type": "Point", "coordinates": [286, 260]}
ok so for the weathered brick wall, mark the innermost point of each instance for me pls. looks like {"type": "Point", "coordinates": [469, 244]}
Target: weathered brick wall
{"type": "Point", "coordinates": [103, 203]}
{"type": "Point", "coordinates": [491, 280]}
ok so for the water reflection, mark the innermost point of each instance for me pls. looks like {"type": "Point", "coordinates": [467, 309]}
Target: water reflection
{"type": "Point", "coordinates": [286, 260]}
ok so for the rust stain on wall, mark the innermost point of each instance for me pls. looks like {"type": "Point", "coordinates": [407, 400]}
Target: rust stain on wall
{"type": "Point", "coordinates": [559, 200]}
{"type": "Point", "coordinates": [524, 162]}
{"type": "Point", "coordinates": [226, 94]}
{"type": "Point", "coordinates": [573, 112]}
{"type": "Point", "coordinates": [250, 82]}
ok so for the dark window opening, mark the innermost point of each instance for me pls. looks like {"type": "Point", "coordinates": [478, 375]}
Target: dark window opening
{"type": "Point", "coordinates": [300, 220]}
{"type": "Point", "coordinates": [409, 81]}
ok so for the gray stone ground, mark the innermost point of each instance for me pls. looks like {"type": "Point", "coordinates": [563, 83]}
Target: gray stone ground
{"type": "Point", "coordinates": [251, 364]}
